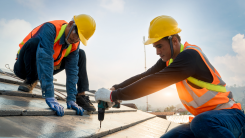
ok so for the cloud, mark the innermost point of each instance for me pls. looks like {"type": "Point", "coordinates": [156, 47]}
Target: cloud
{"type": "Point", "coordinates": [233, 66]}
{"type": "Point", "coordinates": [113, 5]}
{"type": "Point", "coordinates": [14, 30]}
{"type": "Point", "coordinates": [11, 34]}
{"type": "Point", "coordinates": [36, 5]}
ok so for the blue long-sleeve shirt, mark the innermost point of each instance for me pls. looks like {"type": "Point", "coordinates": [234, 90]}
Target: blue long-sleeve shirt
{"type": "Point", "coordinates": [45, 63]}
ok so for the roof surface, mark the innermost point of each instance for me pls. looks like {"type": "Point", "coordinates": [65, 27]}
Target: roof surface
{"type": "Point", "coordinates": [131, 105]}
{"type": "Point", "coordinates": [162, 113]}
{"type": "Point", "coordinates": [27, 115]}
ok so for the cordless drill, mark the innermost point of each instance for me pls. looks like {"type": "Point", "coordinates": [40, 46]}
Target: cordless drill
{"type": "Point", "coordinates": [101, 109]}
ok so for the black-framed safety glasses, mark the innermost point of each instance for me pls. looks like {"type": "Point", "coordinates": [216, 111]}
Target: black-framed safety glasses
{"type": "Point", "coordinates": [75, 28]}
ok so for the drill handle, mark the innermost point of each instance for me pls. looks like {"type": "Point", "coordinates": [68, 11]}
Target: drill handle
{"type": "Point", "coordinates": [102, 104]}
{"type": "Point", "coordinates": [117, 105]}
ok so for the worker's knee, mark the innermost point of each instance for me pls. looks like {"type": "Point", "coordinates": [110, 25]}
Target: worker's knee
{"type": "Point", "coordinates": [202, 123]}
{"type": "Point", "coordinates": [82, 54]}
{"type": "Point", "coordinates": [82, 58]}
{"type": "Point", "coordinates": [243, 132]}
{"type": "Point", "coordinates": [199, 124]}
{"type": "Point", "coordinates": [200, 120]}
{"type": "Point", "coordinates": [181, 131]}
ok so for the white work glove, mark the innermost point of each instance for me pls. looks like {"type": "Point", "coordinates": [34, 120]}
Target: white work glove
{"type": "Point", "coordinates": [104, 95]}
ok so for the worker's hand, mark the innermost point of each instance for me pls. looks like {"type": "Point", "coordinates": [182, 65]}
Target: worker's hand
{"type": "Point", "coordinates": [112, 89]}
{"type": "Point", "coordinates": [110, 104]}
{"type": "Point", "coordinates": [103, 95]}
{"type": "Point", "coordinates": [55, 106]}
{"type": "Point", "coordinates": [73, 105]}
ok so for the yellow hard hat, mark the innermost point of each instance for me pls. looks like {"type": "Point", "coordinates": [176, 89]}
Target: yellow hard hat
{"type": "Point", "coordinates": [85, 26]}
{"type": "Point", "coordinates": [160, 27]}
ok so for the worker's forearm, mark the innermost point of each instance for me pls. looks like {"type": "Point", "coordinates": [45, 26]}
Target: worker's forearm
{"type": "Point", "coordinates": [44, 57]}
{"type": "Point", "coordinates": [143, 87]}
{"type": "Point", "coordinates": [155, 68]}
{"type": "Point", "coordinates": [71, 68]}
{"type": "Point", "coordinates": [182, 68]}
{"type": "Point", "coordinates": [45, 72]}
{"type": "Point", "coordinates": [129, 81]}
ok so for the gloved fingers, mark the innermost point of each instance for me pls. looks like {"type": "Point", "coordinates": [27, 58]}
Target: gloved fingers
{"type": "Point", "coordinates": [102, 95]}
{"type": "Point", "coordinates": [96, 96]}
{"type": "Point", "coordinates": [50, 105]}
{"type": "Point", "coordinates": [78, 109]}
{"type": "Point", "coordinates": [112, 88]}
{"type": "Point", "coordinates": [62, 110]}
{"type": "Point", "coordinates": [59, 110]}
{"type": "Point", "coordinates": [81, 111]}
{"type": "Point", "coordinates": [110, 104]}
{"type": "Point", "coordinates": [68, 106]}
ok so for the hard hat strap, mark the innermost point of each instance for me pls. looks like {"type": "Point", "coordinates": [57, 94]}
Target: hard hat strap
{"type": "Point", "coordinates": [69, 33]}
{"type": "Point", "coordinates": [171, 46]}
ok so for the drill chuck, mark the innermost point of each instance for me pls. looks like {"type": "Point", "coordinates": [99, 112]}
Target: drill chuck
{"type": "Point", "coordinates": [101, 114]}
{"type": "Point", "coordinates": [101, 110]}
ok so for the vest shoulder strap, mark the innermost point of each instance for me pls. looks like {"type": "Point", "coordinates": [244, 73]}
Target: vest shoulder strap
{"type": "Point", "coordinates": [62, 30]}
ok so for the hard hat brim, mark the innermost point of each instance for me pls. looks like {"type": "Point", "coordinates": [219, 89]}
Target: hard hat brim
{"type": "Point", "coordinates": [82, 38]}
{"type": "Point", "coordinates": [152, 40]}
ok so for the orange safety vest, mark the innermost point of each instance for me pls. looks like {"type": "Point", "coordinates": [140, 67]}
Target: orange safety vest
{"type": "Point", "coordinates": [60, 26]}
{"type": "Point", "coordinates": [197, 101]}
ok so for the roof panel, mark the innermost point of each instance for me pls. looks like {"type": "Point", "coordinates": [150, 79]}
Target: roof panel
{"type": "Point", "coordinates": [68, 126]}
{"type": "Point", "coordinates": [28, 115]}
{"type": "Point", "coordinates": [155, 127]}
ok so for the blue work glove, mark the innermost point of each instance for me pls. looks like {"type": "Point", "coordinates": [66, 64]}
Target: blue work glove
{"type": "Point", "coordinates": [55, 106]}
{"type": "Point", "coordinates": [73, 105]}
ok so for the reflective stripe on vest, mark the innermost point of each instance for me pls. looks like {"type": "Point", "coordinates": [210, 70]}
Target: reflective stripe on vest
{"type": "Point", "coordinates": [62, 30]}
{"type": "Point", "coordinates": [199, 101]}
{"type": "Point", "coordinates": [202, 84]}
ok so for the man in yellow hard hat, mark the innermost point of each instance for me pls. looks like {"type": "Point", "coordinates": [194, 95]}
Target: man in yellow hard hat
{"type": "Point", "coordinates": [200, 87]}
{"type": "Point", "coordinates": [50, 48]}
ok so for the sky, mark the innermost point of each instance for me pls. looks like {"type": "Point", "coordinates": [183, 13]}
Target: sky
{"type": "Point", "coordinates": [116, 52]}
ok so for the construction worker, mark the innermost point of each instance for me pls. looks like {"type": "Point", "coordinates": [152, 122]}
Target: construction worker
{"type": "Point", "coordinates": [50, 48]}
{"type": "Point", "coordinates": [199, 85]}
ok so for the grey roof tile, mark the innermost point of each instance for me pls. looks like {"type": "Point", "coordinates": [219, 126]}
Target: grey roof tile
{"type": "Point", "coordinates": [71, 126]}
{"type": "Point", "coordinates": [155, 127]}
{"type": "Point", "coordinates": [28, 115]}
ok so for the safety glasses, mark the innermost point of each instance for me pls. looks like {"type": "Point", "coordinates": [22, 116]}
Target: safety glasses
{"type": "Point", "coordinates": [75, 28]}
{"type": "Point", "coordinates": [75, 31]}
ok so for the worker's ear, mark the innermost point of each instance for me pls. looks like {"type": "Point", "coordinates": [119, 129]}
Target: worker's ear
{"type": "Point", "coordinates": [70, 23]}
{"type": "Point", "coordinates": [175, 40]}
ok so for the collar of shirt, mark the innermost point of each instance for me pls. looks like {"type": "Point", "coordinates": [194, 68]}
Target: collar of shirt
{"type": "Point", "coordinates": [62, 39]}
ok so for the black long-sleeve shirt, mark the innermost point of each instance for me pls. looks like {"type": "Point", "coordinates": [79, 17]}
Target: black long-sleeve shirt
{"type": "Point", "coordinates": [187, 63]}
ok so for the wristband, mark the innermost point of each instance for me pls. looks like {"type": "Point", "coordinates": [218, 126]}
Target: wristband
{"type": "Point", "coordinates": [111, 97]}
